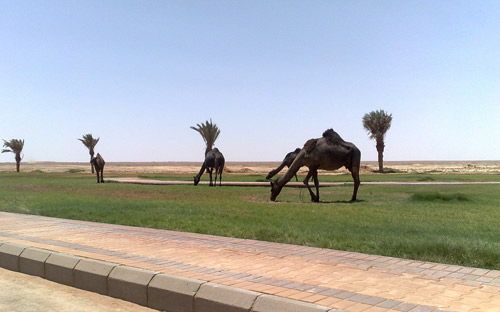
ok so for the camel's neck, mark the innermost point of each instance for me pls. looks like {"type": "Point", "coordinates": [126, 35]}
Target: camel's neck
{"type": "Point", "coordinates": [203, 167]}
{"type": "Point", "coordinates": [294, 168]}
{"type": "Point", "coordinates": [272, 173]}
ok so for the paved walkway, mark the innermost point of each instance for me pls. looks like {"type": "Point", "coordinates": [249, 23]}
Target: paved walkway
{"type": "Point", "coordinates": [289, 184]}
{"type": "Point", "coordinates": [337, 279]}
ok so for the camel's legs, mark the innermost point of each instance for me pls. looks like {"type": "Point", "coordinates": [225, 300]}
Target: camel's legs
{"type": "Point", "coordinates": [210, 173]}
{"type": "Point", "coordinates": [314, 174]}
{"type": "Point", "coordinates": [102, 175]}
{"type": "Point", "coordinates": [306, 182]}
{"type": "Point", "coordinates": [296, 178]}
{"type": "Point", "coordinates": [355, 176]}
{"type": "Point", "coordinates": [220, 178]}
{"type": "Point", "coordinates": [97, 172]}
{"type": "Point", "coordinates": [316, 184]}
{"type": "Point", "coordinates": [218, 172]}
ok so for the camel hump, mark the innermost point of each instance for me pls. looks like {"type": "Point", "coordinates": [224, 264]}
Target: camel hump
{"type": "Point", "coordinates": [332, 137]}
{"type": "Point", "coordinates": [310, 145]}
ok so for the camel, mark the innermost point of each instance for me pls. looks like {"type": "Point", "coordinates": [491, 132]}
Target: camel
{"type": "Point", "coordinates": [213, 160]}
{"type": "Point", "coordinates": [287, 161]}
{"type": "Point", "coordinates": [98, 163]}
{"type": "Point", "coordinates": [329, 153]}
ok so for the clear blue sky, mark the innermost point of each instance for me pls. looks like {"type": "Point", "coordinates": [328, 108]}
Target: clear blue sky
{"type": "Point", "coordinates": [270, 74]}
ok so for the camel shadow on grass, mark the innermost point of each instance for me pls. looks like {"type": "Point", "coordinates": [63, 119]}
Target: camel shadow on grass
{"type": "Point", "coordinates": [323, 201]}
{"type": "Point", "coordinates": [340, 201]}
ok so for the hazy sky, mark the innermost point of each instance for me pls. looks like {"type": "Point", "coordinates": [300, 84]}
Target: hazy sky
{"type": "Point", "coordinates": [270, 74]}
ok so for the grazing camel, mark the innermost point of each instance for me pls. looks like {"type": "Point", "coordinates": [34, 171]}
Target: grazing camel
{"type": "Point", "coordinates": [98, 163]}
{"type": "Point", "coordinates": [213, 160]}
{"type": "Point", "coordinates": [289, 158]}
{"type": "Point", "coordinates": [329, 153]}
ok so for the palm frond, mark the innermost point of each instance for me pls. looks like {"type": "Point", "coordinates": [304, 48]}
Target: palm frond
{"type": "Point", "coordinates": [13, 146]}
{"type": "Point", "coordinates": [208, 131]}
{"type": "Point", "coordinates": [89, 141]}
{"type": "Point", "coordinates": [377, 123]}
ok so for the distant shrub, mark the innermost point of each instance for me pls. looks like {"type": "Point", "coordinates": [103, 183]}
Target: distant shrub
{"type": "Point", "coordinates": [389, 170]}
{"type": "Point", "coordinates": [425, 179]}
{"type": "Point", "coordinates": [438, 197]}
{"type": "Point", "coordinates": [75, 170]}
{"type": "Point", "coordinates": [38, 171]}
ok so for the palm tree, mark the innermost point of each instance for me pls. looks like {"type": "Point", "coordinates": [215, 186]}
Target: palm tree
{"type": "Point", "coordinates": [14, 146]}
{"type": "Point", "coordinates": [90, 143]}
{"type": "Point", "coordinates": [209, 132]}
{"type": "Point", "coordinates": [377, 123]}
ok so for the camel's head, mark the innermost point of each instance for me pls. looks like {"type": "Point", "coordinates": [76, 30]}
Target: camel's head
{"type": "Point", "coordinates": [275, 191]}
{"type": "Point", "coordinates": [196, 180]}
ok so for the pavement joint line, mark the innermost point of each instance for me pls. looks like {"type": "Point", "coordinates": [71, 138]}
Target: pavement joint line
{"type": "Point", "coordinates": [474, 277]}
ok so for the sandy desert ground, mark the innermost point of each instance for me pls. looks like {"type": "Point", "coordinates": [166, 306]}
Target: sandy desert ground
{"type": "Point", "coordinates": [492, 167]}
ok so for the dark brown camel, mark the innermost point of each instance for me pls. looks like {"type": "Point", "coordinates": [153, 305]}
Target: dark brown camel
{"type": "Point", "coordinates": [289, 158]}
{"type": "Point", "coordinates": [329, 153]}
{"type": "Point", "coordinates": [213, 160]}
{"type": "Point", "coordinates": [98, 163]}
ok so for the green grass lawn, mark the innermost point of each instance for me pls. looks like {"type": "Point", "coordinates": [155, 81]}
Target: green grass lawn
{"type": "Point", "coordinates": [456, 224]}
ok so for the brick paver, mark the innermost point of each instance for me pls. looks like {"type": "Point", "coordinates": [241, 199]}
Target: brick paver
{"type": "Point", "coordinates": [337, 279]}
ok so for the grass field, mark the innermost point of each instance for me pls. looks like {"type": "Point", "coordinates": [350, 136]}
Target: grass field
{"type": "Point", "coordinates": [449, 224]}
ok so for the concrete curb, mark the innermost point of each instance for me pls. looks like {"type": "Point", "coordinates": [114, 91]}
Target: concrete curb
{"type": "Point", "coordinates": [32, 261]}
{"type": "Point", "coordinates": [130, 284]}
{"type": "Point", "coordinates": [151, 289]}
{"type": "Point", "coordinates": [59, 268]}
{"type": "Point", "coordinates": [92, 275]}
{"type": "Point", "coordinates": [9, 256]}
{"type": "Point", "coordinates": [213, 298]}
{"type": "Point", "coordinates": [173, 293]}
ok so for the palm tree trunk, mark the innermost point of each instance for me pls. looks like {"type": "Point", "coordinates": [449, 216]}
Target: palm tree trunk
{"type": "Point", "coordinates": [91, 164]}
{"type": "Point", "coordinates": [208, 149]}
{"type": "Point", "coordinates": [18, 162]}
{"type": "Point", "coordinates": [380, 150]}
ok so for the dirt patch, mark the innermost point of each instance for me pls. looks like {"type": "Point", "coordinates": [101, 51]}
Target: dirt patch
{"type": "Point", "coordinates": [492, 167]}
